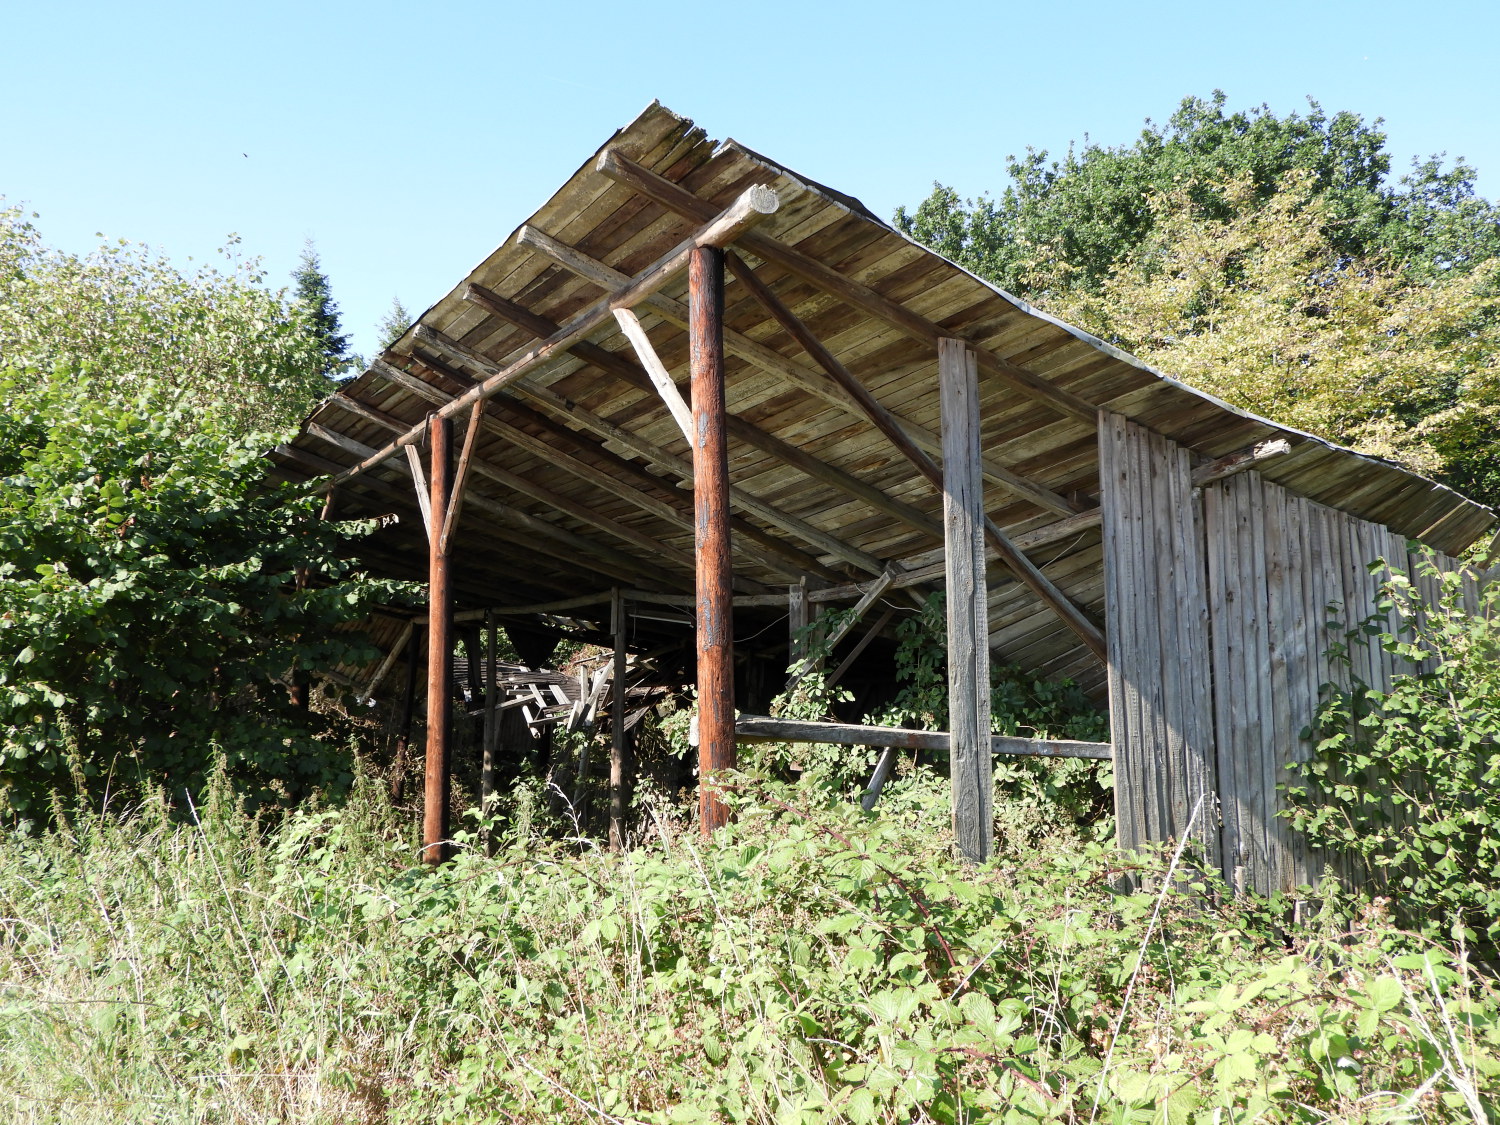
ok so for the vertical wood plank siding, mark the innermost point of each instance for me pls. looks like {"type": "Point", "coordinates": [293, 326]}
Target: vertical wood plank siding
{"type": "Point", "coordinates": [1227, 612]}
{"type": "Point", "coordinates": [1159, 677]}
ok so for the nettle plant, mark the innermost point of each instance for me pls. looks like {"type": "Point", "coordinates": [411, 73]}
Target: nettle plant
{"type": "Point", "coordinates": [1402, 783]}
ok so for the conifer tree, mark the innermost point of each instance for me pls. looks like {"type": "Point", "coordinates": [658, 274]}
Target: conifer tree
{"type": "Point", "coordinates": [393, 325]}
{"type": "Point", "coordinates": [314, 294]}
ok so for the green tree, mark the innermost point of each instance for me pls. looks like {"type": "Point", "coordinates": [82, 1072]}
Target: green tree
{"type": "Point", "coordinates": [214, 341]}
{"type": "Point", "coordinates": [1273, 262]}
{"type": "Point", "coordinates": [315, 296]}
{"type": "Point", "coordinates": [393, 325]}
{"type": "Point", "coordinates": [1083, 214]}
{"type": "Point", "coordinates": [150, 608]}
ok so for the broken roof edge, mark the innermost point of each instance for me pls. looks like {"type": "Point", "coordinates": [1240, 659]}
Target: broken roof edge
{"type": "Point", "coordinates": [857, 207]}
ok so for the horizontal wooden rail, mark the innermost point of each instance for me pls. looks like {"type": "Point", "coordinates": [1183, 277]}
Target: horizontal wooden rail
{"type": "Point", "coordinates": [762, 728]}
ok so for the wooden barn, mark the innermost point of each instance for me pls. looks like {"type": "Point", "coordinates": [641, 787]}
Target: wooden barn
{"type": "Point", "coordinates": [697, 394]}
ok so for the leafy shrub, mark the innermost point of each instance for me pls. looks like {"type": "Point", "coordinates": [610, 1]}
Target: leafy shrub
{"type": "Point", "coordinates": [1402, 783]}
{"type": "Point", "coordinates": [149, 613]}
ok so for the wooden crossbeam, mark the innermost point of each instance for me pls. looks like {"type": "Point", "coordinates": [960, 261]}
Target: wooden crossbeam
{"type": "Point", "coordinates": [1019, 564]}
{"type": "Point", "coordinates": [1240, 460]}
{"type": "Point", "coordinates": [763, 728]}
{"type": "Point", "coordinates": [623, 369]}
{"type": "Point", "coordinates": [660, 377]}
{"type": "Point", "coordinates": [678, 199]}
{"type": "Point", "coordinates": [461, 475]}
{"type": "Point", "coordinates": [751, 206]}
{"type": "Point", "coordinates": [768, 359]}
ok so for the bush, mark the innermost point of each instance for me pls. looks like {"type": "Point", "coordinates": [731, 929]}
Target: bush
{"type": "Point", "coordinates": [1402, 784]}
{"type": "Point", "coordinates": [149, 610]}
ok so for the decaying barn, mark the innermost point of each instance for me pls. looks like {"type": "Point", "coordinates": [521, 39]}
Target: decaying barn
{"type": "Point", "coordinates": [698, 385]}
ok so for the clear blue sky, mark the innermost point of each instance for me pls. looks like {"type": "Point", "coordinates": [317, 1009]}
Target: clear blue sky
{"type": "Point", "coordinates": [408, 140]}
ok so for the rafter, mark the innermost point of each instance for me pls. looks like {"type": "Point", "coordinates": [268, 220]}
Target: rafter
{"type": "Point", "coordinates": [751, 206]}
{"type": "Point", "coordinates": [676, 198]}
{"type": "Point", "coordinates": [766, 358]}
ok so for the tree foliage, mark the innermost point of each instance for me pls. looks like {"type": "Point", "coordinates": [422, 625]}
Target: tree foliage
{"type": "Point", "coordinates": [393, 324]}
{"type": "Point", "coordinates": [314, 296]}
{"type": "Point", "coordinates": [150, 612]}
{"type": "Point", "coordinates": [1272, 261]}
{"type": "Point", "coordinates": [235, 351]}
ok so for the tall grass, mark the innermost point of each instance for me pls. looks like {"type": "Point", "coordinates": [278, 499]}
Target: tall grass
{"type": "Point", "coordinates": [812, 965]}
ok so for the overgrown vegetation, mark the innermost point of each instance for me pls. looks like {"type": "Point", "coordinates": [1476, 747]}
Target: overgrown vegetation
{"type": "Point", "coordinates": [1402, 786]}
{"type": "Point", "coordinates": [813, 965]}
{"type": "Point", "coordinates": [157, 594]}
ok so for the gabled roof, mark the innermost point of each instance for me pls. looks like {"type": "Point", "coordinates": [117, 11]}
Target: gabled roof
{"type": "Point", "coordinates": [579, 473]}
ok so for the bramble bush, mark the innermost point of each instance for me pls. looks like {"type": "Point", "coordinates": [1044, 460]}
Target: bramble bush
{"type": "Point", "coordinates": [1402, 783]}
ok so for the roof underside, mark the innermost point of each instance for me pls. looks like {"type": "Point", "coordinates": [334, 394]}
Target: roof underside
{"type": "Point", "coordinates": [577, 483]}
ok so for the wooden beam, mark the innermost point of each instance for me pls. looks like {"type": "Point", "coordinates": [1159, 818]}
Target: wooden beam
{"type": "Point", "coordinates": [1237, 462]}
{"type": "Point", "coordinates": [435, 793]}
{"type": "Point", "coordinates": [752, 205]}
{"type": "Point", "coordinates": [969, 764]}
{"type": "Point", "coordinates": [622, 368]}
{"type": "Point", "coordinates": [1019, 564]}
{"type": "Point", "coordinates": [413, 461]}
{"type": "Point", "coordinates": [461, 477]}
{"type": "Point", "coordinates": [660, 377]}
{"type": "Point", "coordinates": [763, 728]}
{"type": "Point", "coordinates": [619, 752]}
{"type": "Point", "coordinates": [876, 588]}
{"type": "Point", "coordinates": [771, 360]}
{"type": "Point", "coordinates": [388, 663]}
{"type": "Point", "coordinates": [715, 613]}
{"type": "Point", "coordinates": [490, 742]}
{"type": "Point", "coordinates": [676, 198]}
{"type": "Point", "coordinates": [863, 643]}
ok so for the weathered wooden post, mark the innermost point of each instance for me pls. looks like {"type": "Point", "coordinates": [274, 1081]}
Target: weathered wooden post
{"type": "Point", "coordinates": [408, 706]}
{"type": "Point", "coordinates": [968, 610]}
{"type": "Point", "coordinates": [619, 751]}
{"type": "Point", "coordinates": [491, 737]}
{"type": "Point", "coordinates": [715, 617]}
{"type": "Point", "coordinates": [439, 647]}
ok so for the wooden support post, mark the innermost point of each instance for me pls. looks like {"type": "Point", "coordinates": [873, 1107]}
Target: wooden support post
{"type": "Point", "coordinates": [619, 753]}
{"type": "Point", "coordinates": [882, 774]}
{"type": "Point", "coordinates": [715, 624]}
{"type": "Point", "coordinates": [439, 650]}
{"type": "Point", "coordinates": [403, 726]}
{"type": "Point", "coordinates": [968, 610]}
{"type": "Point", "coordinates": [796, 621]}
{"type": "Point", "coordinates": [491, 739]}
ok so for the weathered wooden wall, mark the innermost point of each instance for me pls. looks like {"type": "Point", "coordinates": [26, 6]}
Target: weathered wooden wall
{"type": "Point", "coordinates": [1160, 701]}
{"type": "Point", "coordinates": [1224, 606]}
